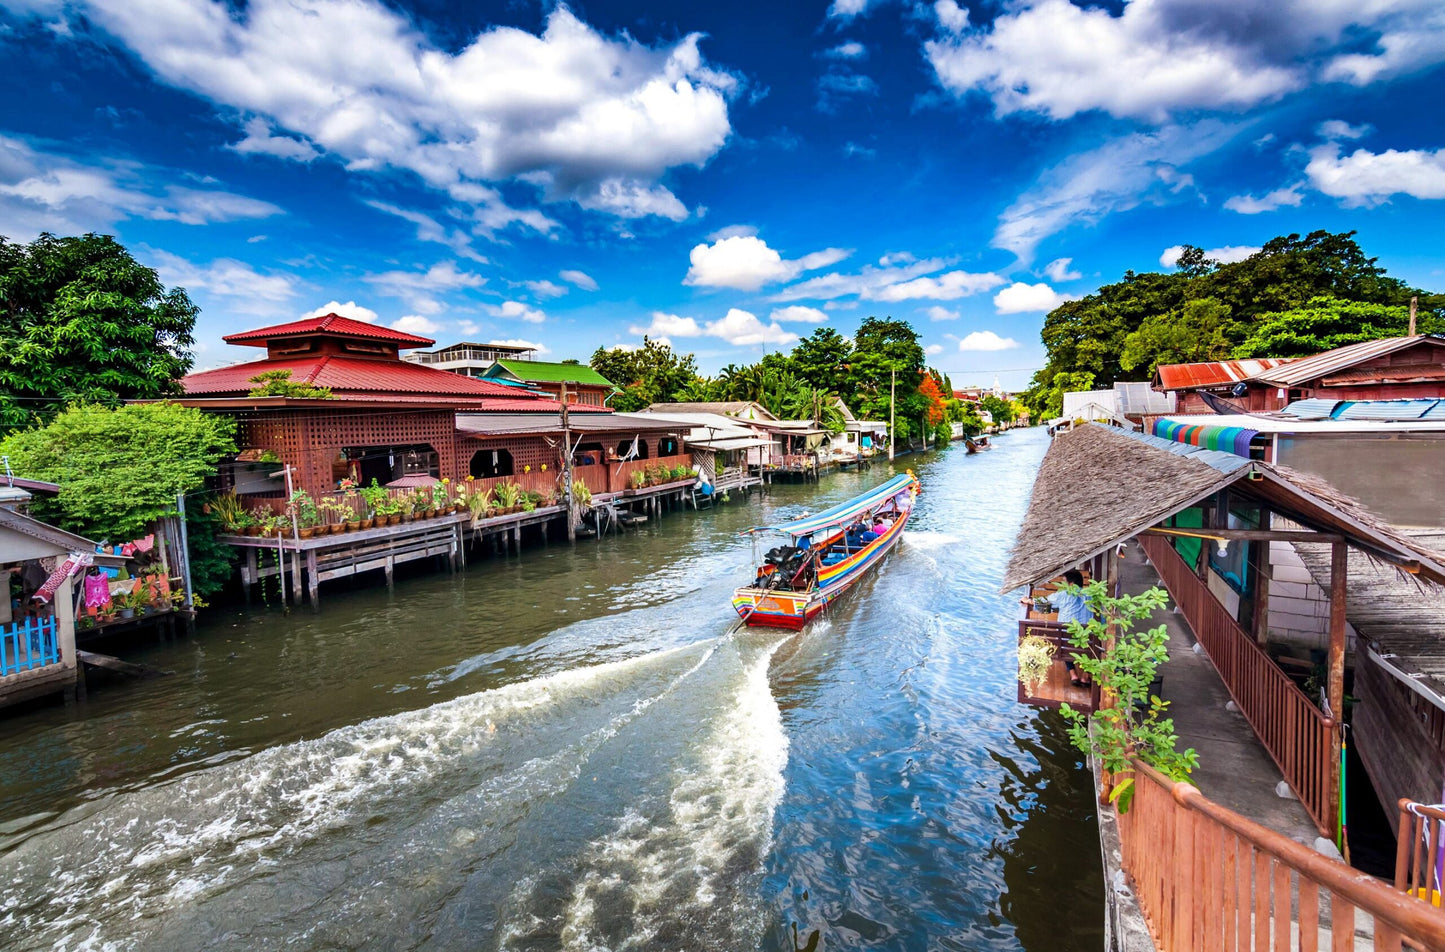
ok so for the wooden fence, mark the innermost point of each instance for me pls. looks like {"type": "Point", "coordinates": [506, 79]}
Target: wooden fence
{"type": "Point", "coordinates": [1210, 879]}
{"type": "Point", "coordinates": [1299, 737]}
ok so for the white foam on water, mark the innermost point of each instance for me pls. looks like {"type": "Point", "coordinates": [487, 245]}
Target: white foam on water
{"type": "Point", "coordinates": [930, 541]}
{"type": "Point", "coordinates": [688, 868]}
{"type": "Point", "coordinates": [84, 880]}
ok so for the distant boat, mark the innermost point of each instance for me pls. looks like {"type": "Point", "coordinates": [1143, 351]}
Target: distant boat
{"type": "Point", "coordinates": [975, 443]}
{"type": "Point", "coordinates": [824, 555]}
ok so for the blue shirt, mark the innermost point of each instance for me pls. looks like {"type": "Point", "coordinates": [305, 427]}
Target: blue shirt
{"type": "Point", "coordinates": [1072, 607]}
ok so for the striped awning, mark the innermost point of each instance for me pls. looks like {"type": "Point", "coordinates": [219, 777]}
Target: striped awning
{"type": "Point", "coordinates": [843, 513]}
{"type": "Point", "coordinates": [1227, 439]}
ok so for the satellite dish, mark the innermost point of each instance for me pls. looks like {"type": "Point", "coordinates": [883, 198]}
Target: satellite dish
{"type": "Point", "coordinates": [1239, 389]}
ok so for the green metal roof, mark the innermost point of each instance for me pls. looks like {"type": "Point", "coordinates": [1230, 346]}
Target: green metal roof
{"type": "Point", "coordinates": [538, 371]}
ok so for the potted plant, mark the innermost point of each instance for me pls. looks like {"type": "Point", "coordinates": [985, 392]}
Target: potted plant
{"type": "Point", "coordinates": [478, 503]}
{"type": "Point", "coordinates": [581, 494]}
{"type": "Point", "coordinates": [228, 508]}
{"type": "Point", "coordinates": [125, 605]}
{"type": "Point", "coordinates": [508, 495]}
{"type": "Point", "coordinates": [637, 479]}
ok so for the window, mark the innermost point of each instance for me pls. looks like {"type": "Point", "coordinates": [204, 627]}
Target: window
{"type": "Point", "coordinates": [632, 449]}
{"type": "Point", "coordinates": [667, 446]}
{"type": "Point", "coordinates": [588, 454]}
{"type": "Point", "coordinates": [489, 463]}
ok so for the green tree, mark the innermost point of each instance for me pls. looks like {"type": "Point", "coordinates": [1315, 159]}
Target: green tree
{"type": "Point", "coordinates": [1199, 330]}
{"type": "Point", "coordinates": [120, 469]}
{"type": "Point", "coordinates": [881, 348]}
{"type": "Point", "coordinates": [821, 359]}
{"type": "Point", "coordinates": [1326, 323]}
{"type": "Point", "coordinates": [1124, 329]}
{"type": "Point", "coordinates": [278, 383]}
{"type": "Point", "coordinates": [652, 373]}
{"type": "Point", "coordinates": [83, 321]}
{"type": "Point", "coordinates": [1001, 410]}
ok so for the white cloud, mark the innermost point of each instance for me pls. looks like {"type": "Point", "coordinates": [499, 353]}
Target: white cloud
{"type": "Point", "coordinates": [587, 117]}
{"type": "Point", "coordinates": [1370, 178]}
{"type": "Point", "coordinates": [1135, 65]}
{"type": "Point", "coordinates": [852, 50]}
{"type": "Point", "coordinates": [847, 9]}
{"type": "Point", "coordinates": [429, 229]}
{"type": "Point", "coordinates": [1021, 298]}
{"type": "Point", "coordinates": [260, 141]}
{"type": "Point", "coordinates": [897, 257]}
{"type": "Point", "coordinates": [545, 289]}
{"type": "Point", "coordinates": [579, 278]}
{"type": "Point", "coordinates": [1339, 129]}
{"type": "Point", "coordinates": [1148, 59]}
{"type": "Point", "coordinates": [47, 191]}
{"type": "Point", "coordinates": [516, 310]}
{"type": "Point", "coordinates": [932, 349]}
{"type": "Point", "coordinates": [1279, 198]}
{"type": "Point", "coordinates": [746, 263]}
{"type": "Point", "coordinates": [939, 313]}
{"type": "Point", "coordinates": [541, 349]}
{"type": "Point", "coordinates": [951, 16]}
{"type": "Point", "coordinates": [350, 309]}
{"type": "Point", "coordinates": [415, 324]}
{"type": "Point", "coordinates": [866, 283]}
{"type": "Point", "coordinates": [1116, 176]}
{"type": "Point", "coordinates": [669, 325]}
{"type": "Point", "coordinates": [1226, 254]}
{"type": "Point", "coordinates": [248, 291]}
{"type": "Point", "coordinates": [742, 328]}
{"type": "Point", "coordinates": [798, 312]}
{"type": "Point", "coordinates": [417, 287]}
{"type": "Point", "coordinates": [1061, 269]}
{"type": "Point", "coordinates": [985, 341]}
{"type": "Point", "coordinates": [948, 286]}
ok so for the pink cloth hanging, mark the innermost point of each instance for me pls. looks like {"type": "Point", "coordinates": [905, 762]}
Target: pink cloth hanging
{"type": "Point", "coordinates": [97, 591]}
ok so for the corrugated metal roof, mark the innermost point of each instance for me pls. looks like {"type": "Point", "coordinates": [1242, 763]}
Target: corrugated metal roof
{"type": "Point", "coordinates": [1313, 409]}
{"type": "Point", "coordinates": [1422, 373]}
{"type": "Point", "coordinates": [1214, 373]}
{"type": "Point", "coordinates": [502, 424]}
{"type": "Point", "coordinates": [1139, 398]}
{"type": "Point", "coordinates": [1218, 459]}
{"type": "Point", "coordinates": [1384, 409]}
{"type": "Point", "coordinates": [332, 323]}
{"type": "Point", "coordinates": [1341, 358]}
{"type": "Point", "coordinates": [1277, 423]}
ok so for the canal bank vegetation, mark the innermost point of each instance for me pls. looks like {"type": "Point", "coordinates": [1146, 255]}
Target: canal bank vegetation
{"type": "Point", "coordinates": [1294, 297]}
{"type": "Point", "coordinates": [882, 369]}
{"type": "Point", "coordinates": [1125, 663]}
{"type": "Point", "coordinates": [121, 469]}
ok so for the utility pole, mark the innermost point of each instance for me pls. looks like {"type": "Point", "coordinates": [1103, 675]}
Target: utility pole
{"type": "Point", "coordinates": [1414, 306]}
{"type": "Point", "coordinates": [892, 420]}
{"type": "Point", "coordinates": [567, 469]}
{"type": "Point", "coordinates": [185, 548]}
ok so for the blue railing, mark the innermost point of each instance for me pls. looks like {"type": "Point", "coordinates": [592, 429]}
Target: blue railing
{"type": "Point", "coordinates": [28, 644]}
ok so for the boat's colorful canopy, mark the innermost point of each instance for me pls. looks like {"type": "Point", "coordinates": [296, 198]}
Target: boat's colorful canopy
{"type": "Point", "coordinates": [843, 513]}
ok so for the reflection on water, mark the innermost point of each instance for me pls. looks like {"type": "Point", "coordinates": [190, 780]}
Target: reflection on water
{"type": "Point", "coordinates": [571, 750]}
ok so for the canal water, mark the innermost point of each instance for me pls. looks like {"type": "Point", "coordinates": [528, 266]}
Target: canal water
{"type": "Point", "coordinates": [569, 750]}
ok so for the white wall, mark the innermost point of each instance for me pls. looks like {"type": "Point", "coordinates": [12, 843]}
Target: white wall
{"type": "Point", "coordinates": [1299, 608]}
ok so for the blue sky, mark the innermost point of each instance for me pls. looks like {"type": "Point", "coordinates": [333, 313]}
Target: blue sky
{"type": "Point", "coordinates": [727, 176]}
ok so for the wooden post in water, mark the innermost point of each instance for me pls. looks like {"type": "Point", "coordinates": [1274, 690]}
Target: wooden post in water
{"type": "Point", "coordinates": [313, 584]}
{"type": "Point", "coordinates": [567, 469]}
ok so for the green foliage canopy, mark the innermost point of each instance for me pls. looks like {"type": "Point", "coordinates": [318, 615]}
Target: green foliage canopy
{"type": "Point", "coordinates": [278, 383]}
{"type": "Point", "coordinates": [1206, 310]}
{"type": "Point", "coordinates": [83, 321]}
{"type": "Point", "coordinates": [119, 469]}
{"type": "Point", "coordinates": [1326, 323]}
{"type": "Point", "coordinates": [652, 373]}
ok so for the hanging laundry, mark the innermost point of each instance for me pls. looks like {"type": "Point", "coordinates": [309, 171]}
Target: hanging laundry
{"type": "Point", "coordinates": [146, 544]}
{"type": "Point", "coordinates": [73, 563]}
{"type": "Point", "coordinates": [97, 591]}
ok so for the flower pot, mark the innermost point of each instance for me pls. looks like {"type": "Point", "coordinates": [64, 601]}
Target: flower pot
{"type": "Point", "coordinates": [353, 524]}
{"type": "Point", "coordinates": [307, 532]}
{"type": "Point", "coordinates": [336, 528]}
{"type": "Point", "coordinates": [126, 613]}
{"type": "Point", "coordinates": [368, 523]}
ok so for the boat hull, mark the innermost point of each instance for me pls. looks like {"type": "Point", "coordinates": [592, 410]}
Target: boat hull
{"type": "Point", "coordinates": [766, 608]}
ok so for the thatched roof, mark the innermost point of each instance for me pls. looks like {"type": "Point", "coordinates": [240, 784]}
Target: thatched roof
{"type": "Point", "coordinates": [1100, 485]}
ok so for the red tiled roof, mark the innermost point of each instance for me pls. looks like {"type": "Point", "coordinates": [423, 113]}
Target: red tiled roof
{"type": "Point", "coordinates": [330, 323]}
{"type": "Point", "coordinates": [358, 376]}
{"type": "Point", "coordinates": [1216, 373]}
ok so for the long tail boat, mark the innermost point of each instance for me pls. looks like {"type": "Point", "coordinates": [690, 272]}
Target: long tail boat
{"type": "Point", "coordinates": [824, 554]}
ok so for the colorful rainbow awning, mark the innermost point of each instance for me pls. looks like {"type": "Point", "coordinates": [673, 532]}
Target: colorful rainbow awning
{"type": "Point", "coordinates": [1227, 439]}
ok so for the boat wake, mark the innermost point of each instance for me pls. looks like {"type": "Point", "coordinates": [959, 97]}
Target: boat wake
{"type": "Point", "coordinates": [611, 806]}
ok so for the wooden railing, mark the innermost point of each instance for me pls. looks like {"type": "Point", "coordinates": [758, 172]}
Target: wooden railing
{"type": "Point", "coordinates": [1207, 878]}
{"type": "Point", "coordinates": [1299, 737]}
{"type": "Point", "coordinates": [1420, 851]}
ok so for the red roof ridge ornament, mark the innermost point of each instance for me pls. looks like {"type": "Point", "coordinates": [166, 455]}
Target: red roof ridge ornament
{"type": "Point", "coordinates": [333, 325]}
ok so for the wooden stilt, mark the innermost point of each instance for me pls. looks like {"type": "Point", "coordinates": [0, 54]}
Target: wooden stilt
{"type": "Point", "coordinates": [390, 570]}
{"type": "Point", "coordinates": [295, 578]}
{"type": "Point", "coordinates": [248, 574]}
{"type": "Point", "coordinates": [313, 583]}
{"type": "Point", "coordinates": [1339, 572]}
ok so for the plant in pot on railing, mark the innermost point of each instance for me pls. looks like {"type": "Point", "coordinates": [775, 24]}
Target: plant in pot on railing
{"type": "Point", "coordinates": [334, 514]}
{"type": "Point", "coordinates": [581, 495]}
{"type": "Point", "coordinates": [1134, 725]}
{"type": "Point", "coordinates": [636, 479]}
{"type": "Point", "coordinates": [441, 500]}
{"type": "Point", "coordinates": [479, 503]}
{"type": "Point", "coordinates": [227, 507]}
{"type": "Point", "coordinates": [303, 509]}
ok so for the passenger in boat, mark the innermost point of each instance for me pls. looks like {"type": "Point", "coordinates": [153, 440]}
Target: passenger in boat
{"type": "Point", "coordinates": [854, 536]}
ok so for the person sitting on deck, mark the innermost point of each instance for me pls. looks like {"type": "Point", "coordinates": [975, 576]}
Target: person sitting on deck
{"type": "Point", "coordinates": [854, 536]}
{"type": "Point", "coordinates": [1071, 607]}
